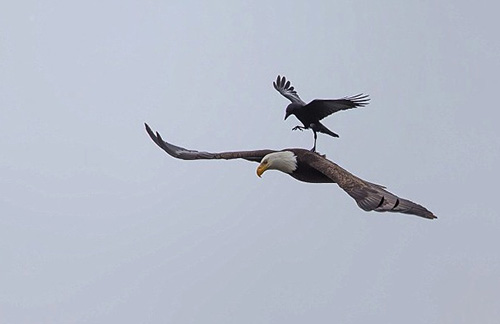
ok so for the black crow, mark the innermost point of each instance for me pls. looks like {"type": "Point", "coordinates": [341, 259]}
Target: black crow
{"type": "Point", "coordinates": [310, 114]}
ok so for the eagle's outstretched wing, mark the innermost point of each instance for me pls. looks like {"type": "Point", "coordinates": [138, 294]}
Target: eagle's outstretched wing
{"type": "Point", "coordinates": [185, 154]}
{"type": "Point", "coordinates": [368, 196]}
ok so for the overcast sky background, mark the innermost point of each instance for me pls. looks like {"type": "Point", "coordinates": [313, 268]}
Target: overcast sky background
{"type": "Point", "coordinates": [98, 225]}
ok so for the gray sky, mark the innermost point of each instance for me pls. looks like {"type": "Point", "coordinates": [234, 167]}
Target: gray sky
{"type": "Point", "coordinates": [98, 225]}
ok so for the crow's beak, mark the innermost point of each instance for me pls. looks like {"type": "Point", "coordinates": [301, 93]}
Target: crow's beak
{"type": "Point", "coordinates": [286, 116]}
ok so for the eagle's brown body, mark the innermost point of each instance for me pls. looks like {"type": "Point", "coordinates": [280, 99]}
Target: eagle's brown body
{"type": "Point", "coordinates": [313, 168]}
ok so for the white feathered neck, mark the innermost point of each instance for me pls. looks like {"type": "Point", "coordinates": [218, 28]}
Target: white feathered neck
{"type": "Point", "coordinates": [284, 161]}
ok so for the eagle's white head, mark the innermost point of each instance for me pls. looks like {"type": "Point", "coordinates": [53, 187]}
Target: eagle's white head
{"type": "Point", "coordinates": [284, 161]}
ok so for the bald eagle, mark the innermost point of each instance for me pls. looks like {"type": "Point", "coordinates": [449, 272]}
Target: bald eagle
{"type": "Point", "coordinates": [307, 166]}
{"type": "Point", "coordinates": [310, 114]}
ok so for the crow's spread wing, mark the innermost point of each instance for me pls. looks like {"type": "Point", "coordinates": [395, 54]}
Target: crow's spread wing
{"type": "Point", "coordinates": [320, 108]}
{"type": "Point", "coordinates": [287, 90]}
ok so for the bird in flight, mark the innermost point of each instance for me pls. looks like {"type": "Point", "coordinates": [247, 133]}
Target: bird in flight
{"type": "Point", "coordinates": [307, 166]}
{"type": "Point", "coordinates": [310, 114]}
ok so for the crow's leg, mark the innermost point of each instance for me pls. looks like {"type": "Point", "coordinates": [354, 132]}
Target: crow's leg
{"type": "Point", "coordinates": [300, 128]}
{"type": "Point", "coordinates": [315, 138]}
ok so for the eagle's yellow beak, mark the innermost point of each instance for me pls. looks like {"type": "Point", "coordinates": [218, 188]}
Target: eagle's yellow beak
{"type": "Point", "coordinates": [262, 168]}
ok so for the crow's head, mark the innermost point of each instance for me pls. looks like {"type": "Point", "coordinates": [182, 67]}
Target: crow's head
{"type": "Point", "coordinates": [291, 108]}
